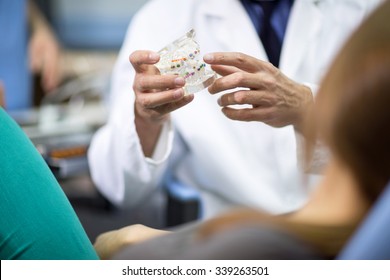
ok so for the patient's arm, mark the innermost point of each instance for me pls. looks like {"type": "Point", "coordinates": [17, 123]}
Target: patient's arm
{"type": "Point", "coordinates": [235, 218]}
{"type": "Point", "coordinates": [109, 243]}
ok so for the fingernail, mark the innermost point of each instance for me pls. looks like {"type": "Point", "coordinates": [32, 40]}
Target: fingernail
{"type": "Point", "coordinates": [208, 57]}
{"type": "Point", "coordinates": [179, 81]}
{"type": "Point", "coordinates": [154, 56]}
{"type": "Point", "coordinates": [178, 93]}
{"type": "Point", "coordinates": [219, 101]}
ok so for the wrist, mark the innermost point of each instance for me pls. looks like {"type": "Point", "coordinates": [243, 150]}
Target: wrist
{"type": "Point", "coordinates": [148, 130]}
{"type": "Point", "coordinates": [306, 104]}
{"type": "Point", "coordinates": [147, 119]}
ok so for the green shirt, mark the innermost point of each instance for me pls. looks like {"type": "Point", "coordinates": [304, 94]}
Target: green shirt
{"type": "Point", "coordinates": [36, 219]}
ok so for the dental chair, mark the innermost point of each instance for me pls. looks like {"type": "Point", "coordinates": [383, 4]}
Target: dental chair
{"type": "Point", "coordinates": [372, 239]}
{"type": "Point", "coordinates": [370, 242]}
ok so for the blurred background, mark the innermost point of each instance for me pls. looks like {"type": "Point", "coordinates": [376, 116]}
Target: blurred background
{"type": "Point", "coordinates": [62, 122]}
{"type": "Point", "coordinates": [90, 24]}
{"type": "Point", "coordinates": [90, 32]}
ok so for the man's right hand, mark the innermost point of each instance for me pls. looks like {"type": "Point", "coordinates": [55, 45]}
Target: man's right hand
{"type": "Point", "coordinates": [155, 97]}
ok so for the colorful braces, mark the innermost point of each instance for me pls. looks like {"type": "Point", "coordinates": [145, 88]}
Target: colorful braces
{"type": "Point", "coordinates": [182, 57]}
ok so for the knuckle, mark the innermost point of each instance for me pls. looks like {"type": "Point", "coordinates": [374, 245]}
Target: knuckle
{"type": "Point", "coordinates": [240, 57]}
{"type": "Point", "coordinates": [135, 89]}
{"type": "Point", "coordinates": [141, 82]}
{"type": "Point", "coordinates": [224, 100]}
{"type": "Point", "coordinates": [217, 85]}
{"type": "Point", "coordinates": [144, 102]}
{"type": "Point", "coordinates": [138, 58]}
{"type": "Point", "coordinates": [268, 80]}
{"type": "Point", "coordinates": [240, 97]}
{"type": "Point", "coordinates": [135, 86]}
{"type": "Point", "coordinates": [239, 78]}
{"type": "Point", "coordinates": [274, 70]}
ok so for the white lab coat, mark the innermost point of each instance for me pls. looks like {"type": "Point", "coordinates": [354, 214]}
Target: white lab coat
{"type": "Point", "coordinates": [230, 162]}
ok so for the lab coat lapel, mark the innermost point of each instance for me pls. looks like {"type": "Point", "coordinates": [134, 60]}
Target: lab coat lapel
{"type": "Point", "coordinates": [233, 28]}
{"type": "Point", "coordinates": [304, 25]}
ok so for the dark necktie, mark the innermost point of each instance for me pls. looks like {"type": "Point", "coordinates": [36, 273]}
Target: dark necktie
{"type": "Point", "coordinates": [270, 19]}
{"type": "Point", "coordinates": [272, 44]}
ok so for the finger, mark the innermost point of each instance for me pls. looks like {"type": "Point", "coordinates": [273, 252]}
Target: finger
{"type": "Point", "coordinates": [241, 97]}
{"type": "Point", "coordinates": [249, 114]}
{"type": "Point", "coordinates": [236, 59]}
{"type": "Point", "coordinates": [178, 104]}
{"type": "Point", "coordinates": [145, 83]}
{"type": "Point", "coordinates": [224, 70]}
{"type": "Point", "coordinates": [237, 79]}
{"type": "Point", "coordinates": [153, 100]}
{"type": "Point", "coordinates": [170, 107]}
{"type": "Point", "coordinates": [142, 60]}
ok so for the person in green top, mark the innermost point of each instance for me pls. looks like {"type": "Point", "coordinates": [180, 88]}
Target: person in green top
{"type": "Point", "coordinates": [36, 221]}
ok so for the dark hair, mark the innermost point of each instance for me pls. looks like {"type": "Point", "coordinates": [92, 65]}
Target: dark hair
{"type": "Point", "coordinates": [352, 110]}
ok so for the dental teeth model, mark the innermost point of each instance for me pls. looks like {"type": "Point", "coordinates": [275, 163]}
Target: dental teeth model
{"type": "Point", "coordinates": [182, 57]}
